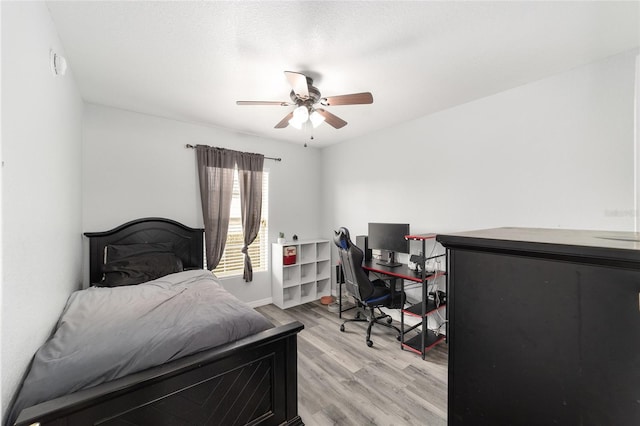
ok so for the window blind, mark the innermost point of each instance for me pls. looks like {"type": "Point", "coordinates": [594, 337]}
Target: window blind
{"type": "Point", "coordinates": [232, 262]}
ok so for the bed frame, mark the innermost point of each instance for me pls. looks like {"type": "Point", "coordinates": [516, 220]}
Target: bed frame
{"type": "Point", "coordinates": [251, 381]}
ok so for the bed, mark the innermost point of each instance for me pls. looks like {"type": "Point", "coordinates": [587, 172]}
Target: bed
{"type": "Point", "coordinates": [252, 380]}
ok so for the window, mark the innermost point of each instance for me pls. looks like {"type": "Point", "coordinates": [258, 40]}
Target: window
{"type": "Point", "coordinates": [232, 262]}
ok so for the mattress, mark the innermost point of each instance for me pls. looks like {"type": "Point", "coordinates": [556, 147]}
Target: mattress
{"type": "Point", "coordinates": [107, 333]}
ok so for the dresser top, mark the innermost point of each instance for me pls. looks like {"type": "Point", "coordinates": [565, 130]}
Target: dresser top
{"type": "Point", "coordinates": [602, 244]}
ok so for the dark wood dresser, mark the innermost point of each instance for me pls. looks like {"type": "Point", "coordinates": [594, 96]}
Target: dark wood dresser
{"type": "Point", "coordinates": [544, 327]}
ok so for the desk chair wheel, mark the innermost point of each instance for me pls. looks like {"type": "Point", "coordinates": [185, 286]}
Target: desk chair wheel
{"type": "Point", "coordinates": [398, 338]}
{"type": "Point", "coordinates": [389, 320]}
{"type": "Point", "coordinates": [369, 343]}
{"type": "Point", "coordinates": [342, 328]}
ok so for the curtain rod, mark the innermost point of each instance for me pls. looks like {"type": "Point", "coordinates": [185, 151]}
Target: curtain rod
{"type": "Point", "coordinates": [268, 158]}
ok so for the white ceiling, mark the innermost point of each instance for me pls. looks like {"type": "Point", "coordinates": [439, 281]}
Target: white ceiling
{"type": "Point", "coordinates": [192, 60]}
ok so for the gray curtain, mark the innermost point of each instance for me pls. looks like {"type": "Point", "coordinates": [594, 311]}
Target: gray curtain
{"type": "Point", "coordinates": [215, 172]}
{"type": "Point", "coordinates": [250, 176]}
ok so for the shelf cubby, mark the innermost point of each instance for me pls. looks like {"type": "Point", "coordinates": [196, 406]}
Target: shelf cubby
{"type": "Point", "coordinates": [323, 269]}
{"type": "Point", "coordinates": [323, 251]}
{"type": "Point", "coordinates": [307, 252]}
{"type": "Point", "coordinates": [291, 296]}
{"type": "Point", "coordinates": [307, 292]}
{"type": "Point", "coordinates": [291, 275]}
{"type": "Point", "coordinates": [307, 272]}
{"type": "Point", "coordinates": [323, 287]}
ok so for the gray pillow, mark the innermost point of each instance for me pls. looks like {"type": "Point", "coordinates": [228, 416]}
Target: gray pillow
{"type": "Point", "coordinates": [139, 269]}
{"type": "Point", "coordinates": [120, 251]}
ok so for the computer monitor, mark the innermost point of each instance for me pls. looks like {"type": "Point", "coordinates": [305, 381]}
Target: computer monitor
{"type": "Point", "coordinates": [389, 237]}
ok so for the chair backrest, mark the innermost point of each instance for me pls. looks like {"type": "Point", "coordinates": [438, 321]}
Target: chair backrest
{"type": "Point", "coordinates": [356, 279]}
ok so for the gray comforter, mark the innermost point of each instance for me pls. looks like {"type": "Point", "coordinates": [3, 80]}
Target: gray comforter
{"type": "Point", "coordinates": [106, 333]}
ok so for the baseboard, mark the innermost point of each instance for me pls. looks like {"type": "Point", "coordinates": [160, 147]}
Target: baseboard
{"type": "Point", "coordinates": [258, 303]}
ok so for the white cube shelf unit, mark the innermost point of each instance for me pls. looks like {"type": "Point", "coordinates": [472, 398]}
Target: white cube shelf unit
{"type": "Point", "coordinates": [308, 279]}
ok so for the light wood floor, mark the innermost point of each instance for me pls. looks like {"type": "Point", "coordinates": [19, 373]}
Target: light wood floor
{"type": "Point", "coordinates": [341, 381]}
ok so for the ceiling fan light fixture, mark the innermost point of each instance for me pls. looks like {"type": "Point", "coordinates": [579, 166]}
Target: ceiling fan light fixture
{"type": "Point", "coordinates": [306, 97]}
{"type": "Point", "coordinates": [316, 119]}
{"type": "Point", "coordinates": [295, 123]}
{"type": "Point", "coordinates": [301, 114]}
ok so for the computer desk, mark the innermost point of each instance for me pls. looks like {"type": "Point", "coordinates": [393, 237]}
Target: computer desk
{"type": "Point", "coordinates": [425, 340]}
{"type": "Point", "coordinates": [403, 271]}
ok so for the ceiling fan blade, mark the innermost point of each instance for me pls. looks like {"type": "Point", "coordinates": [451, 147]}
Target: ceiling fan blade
{"type": "Point", "coordinates": [263, 103]}
{"type": "Point", "coordinates": [298, 83]}
{"type": "Point", "coordinates": [331, 119]}
{"type": "Point", "coordinates": [353, 99]}
{"type": "Point", "coordinates": [284, 122]}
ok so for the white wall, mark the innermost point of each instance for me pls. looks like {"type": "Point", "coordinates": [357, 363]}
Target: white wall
{"type": "Point", "coordinates": [136, 165]}
{"type": "Point", "coordinates": [553, 153]}
{"type": "Point", "coordinates": [1, 256]}
{"type": "Point", "coordinates": [41, 187]}
{"type": "Point", "coordinates": [637, 143]}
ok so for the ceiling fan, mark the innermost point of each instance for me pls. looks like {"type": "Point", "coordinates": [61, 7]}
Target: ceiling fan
{"type": "Point", "coordinates": [306, 98]}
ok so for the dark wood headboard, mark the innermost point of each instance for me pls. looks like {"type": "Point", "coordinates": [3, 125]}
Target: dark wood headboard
{"type": "Point", "coordinates": [187, 242]}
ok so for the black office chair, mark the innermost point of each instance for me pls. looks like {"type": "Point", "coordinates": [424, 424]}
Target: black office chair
{"type": "Point", "coordinates": [369, 294]}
